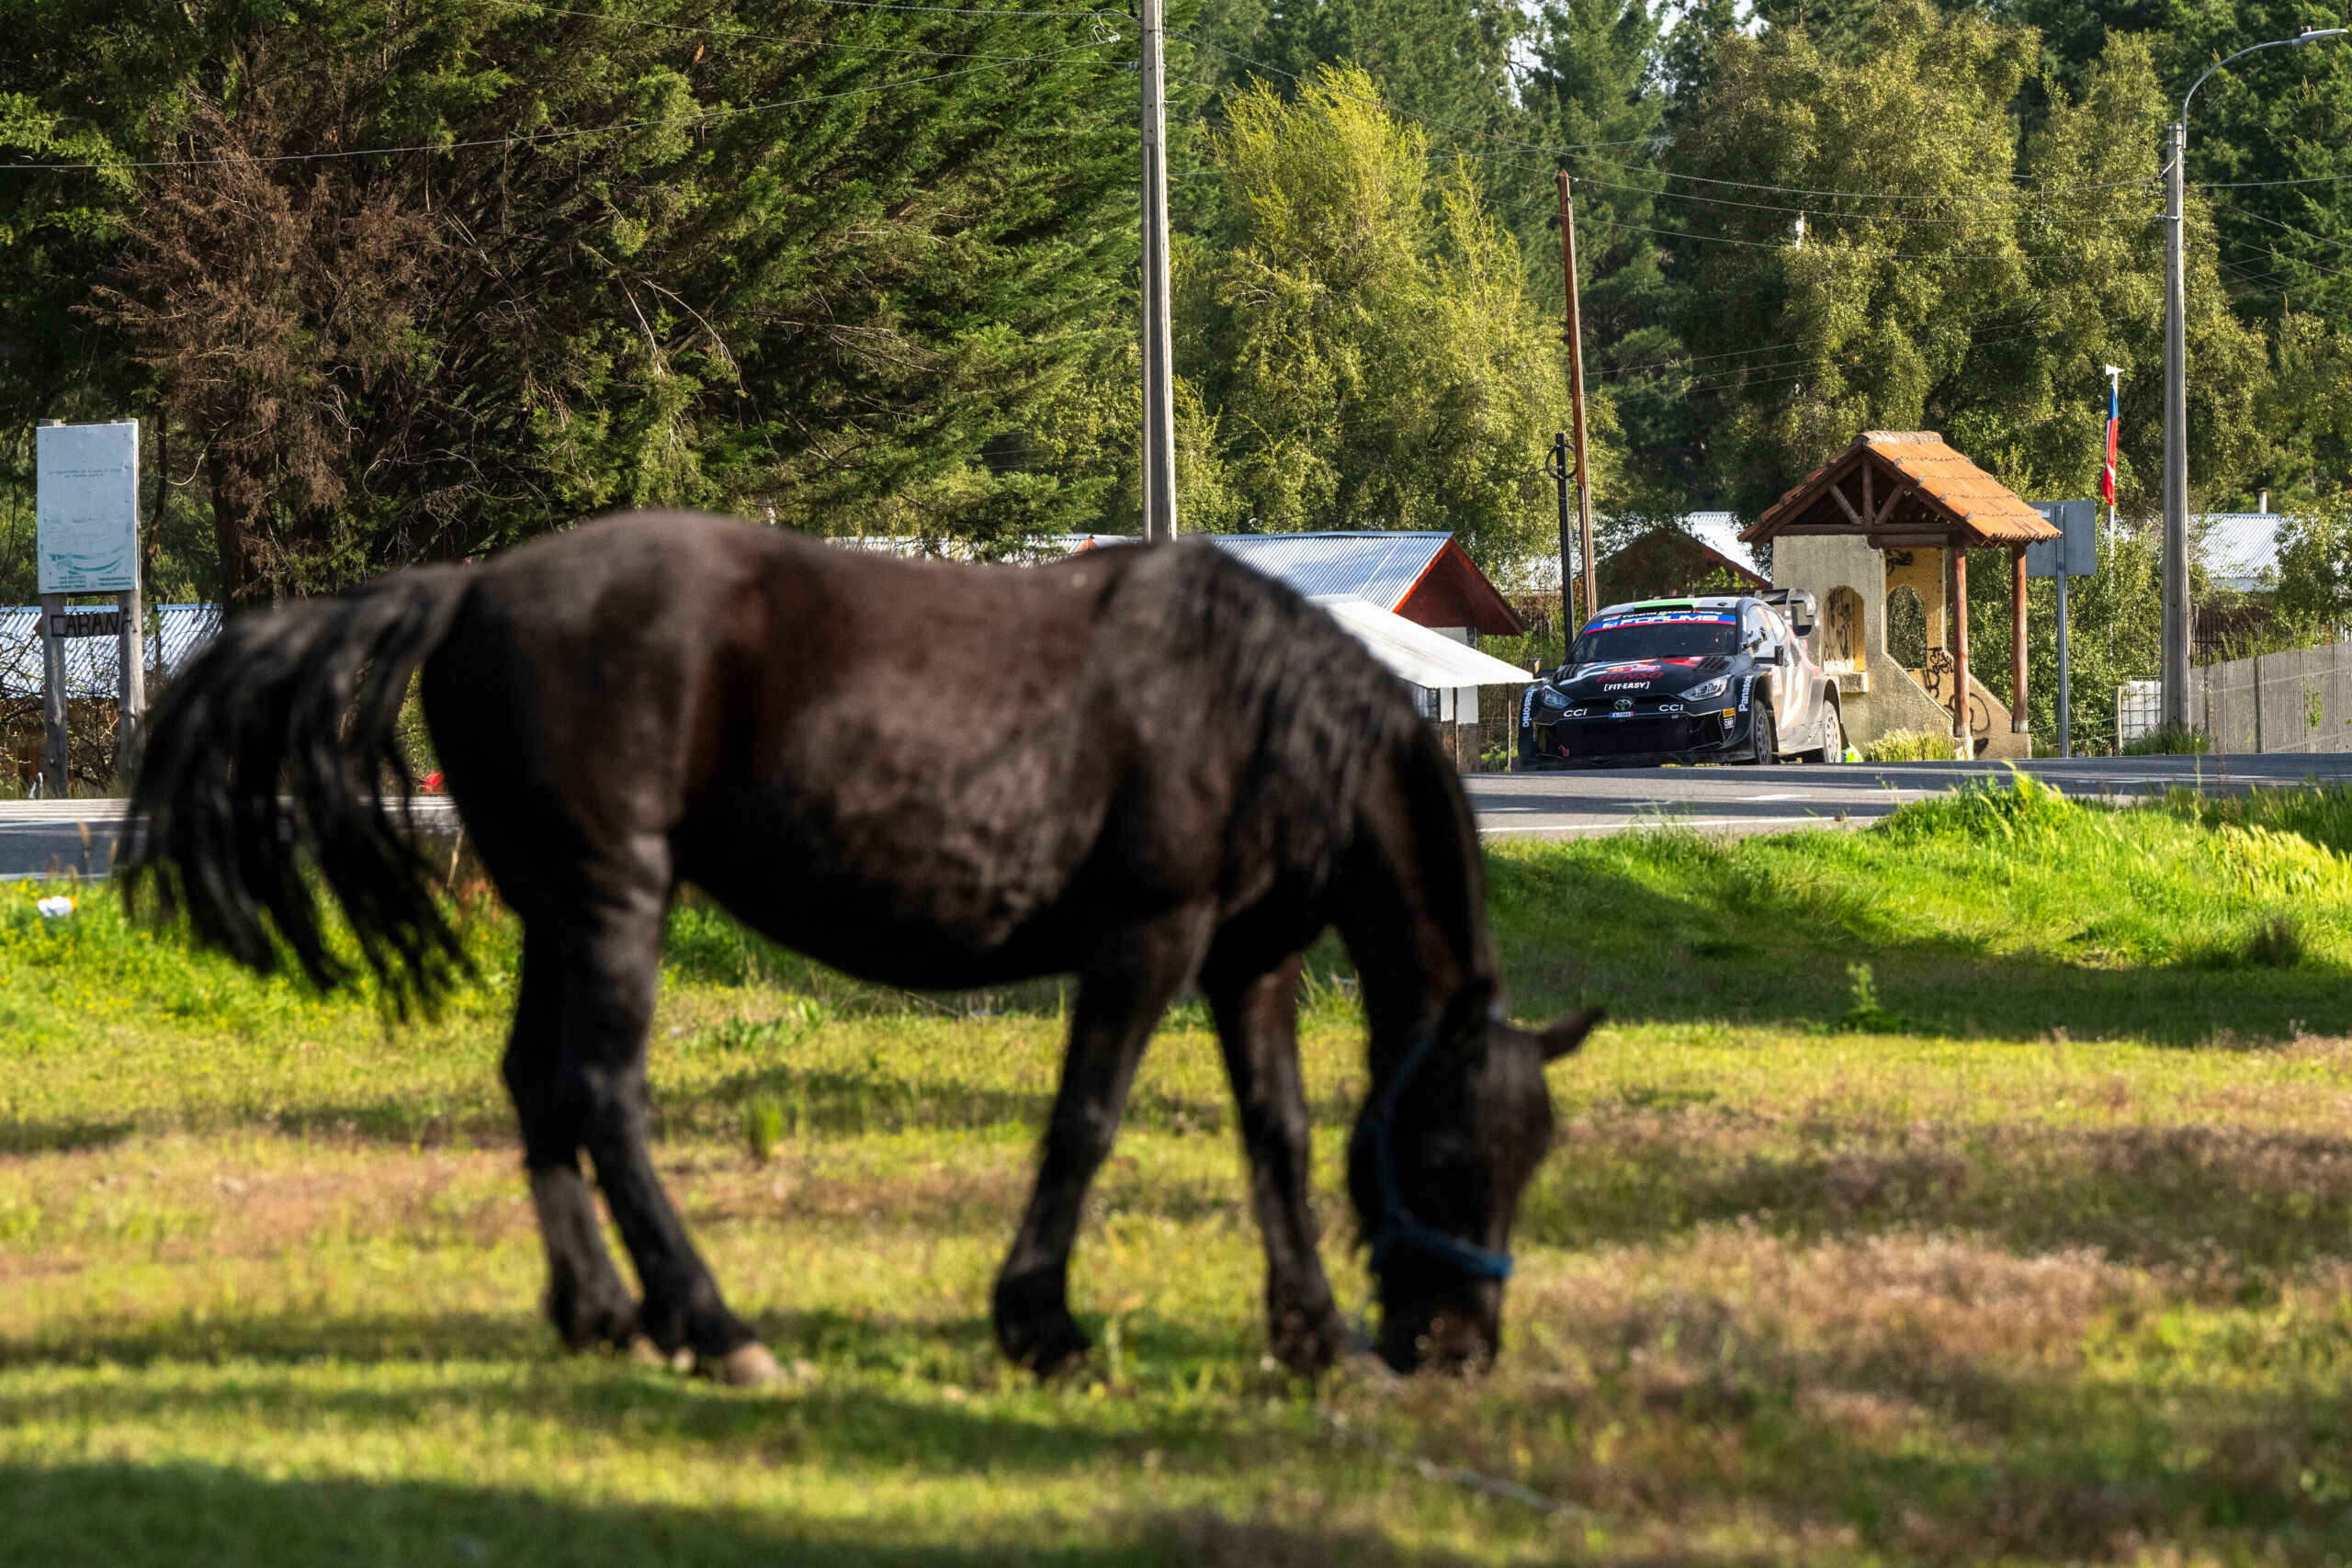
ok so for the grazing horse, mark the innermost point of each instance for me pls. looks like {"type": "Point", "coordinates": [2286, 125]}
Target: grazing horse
{"type": "Point", "coordinates": [1148, 767]}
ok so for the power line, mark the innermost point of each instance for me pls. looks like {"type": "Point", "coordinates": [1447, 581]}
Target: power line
{"type": "Point", "coordinates": [1387, 108]}
{"type": "Point", "coordinates": [1858, 253]}
{"type": "Point", "coordinates": [732, 34]}
{"type": "Point", "coordinates": [1870, 194]}
{"type": "Point", "coordinates": [1818, 212]}
{"type": "Point", "coordinates": [2306, 233]}
{"type": "Point", "coordinates": [1581, 150]}
{"type": "Point", "coordinates": [1693, 383]}
{"type": "Point", "coordinates": [536, 138]}
{"type": "Point", "coordinates": [1975, 336]}
{"type": "Point", "coordinates": [2266, 185]}
{"type": "Point", "coordinates": [2275, 257]}
{"type": "Point", "coordinates": [943, 10]}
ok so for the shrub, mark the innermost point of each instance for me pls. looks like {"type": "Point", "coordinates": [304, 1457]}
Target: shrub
{"type": "Point", "coordinates": [1910, 746]}
{"type": "Point", "coordinates": [2172, 740]}
{"type": "Point", "coordinates": [2275, 942]}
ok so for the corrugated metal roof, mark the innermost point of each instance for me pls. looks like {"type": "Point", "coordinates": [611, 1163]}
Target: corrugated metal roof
{"type": "Point", "coordinates": [1956, 488]}
{"type": "Point", "coordinates": [2239, 549]}
{"type": "Point", "coordinates": [1378, 567]}
{"type": "Point", "coordinates": [1415, 654]}
{"type": "Point", "coordinates": [91, 661]}
{"type": "Point", "coordinates": [1719, 531]}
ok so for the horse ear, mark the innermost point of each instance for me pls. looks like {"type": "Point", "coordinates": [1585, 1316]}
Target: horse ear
{"type": "Point", "coordinates": [1567, 1034]}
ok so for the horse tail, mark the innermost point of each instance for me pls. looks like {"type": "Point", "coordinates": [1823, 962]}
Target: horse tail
{"type": "Point", "coordinates": [272, 753]}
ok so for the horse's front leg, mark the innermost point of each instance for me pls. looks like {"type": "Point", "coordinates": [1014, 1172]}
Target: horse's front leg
{"type": "Point", "coordinates": [1124, 988]}
{"type": "Point", "coordinates": [1257, 1025]}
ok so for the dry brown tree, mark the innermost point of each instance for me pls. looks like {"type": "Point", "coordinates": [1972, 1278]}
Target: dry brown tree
{"type": "Point", "coordinates": [272, 295]}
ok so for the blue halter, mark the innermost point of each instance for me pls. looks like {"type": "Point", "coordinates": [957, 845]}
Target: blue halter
{"type": "Point", "coordinates": [1397, 1227]}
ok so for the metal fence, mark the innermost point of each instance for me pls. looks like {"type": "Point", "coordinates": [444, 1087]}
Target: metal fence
{"type": "Point", "coordinates": [2139, 710]}
{"type": "Point", "coordinates": [2278, 701]}
{"type": "Point", "coordinates": [175, 632]}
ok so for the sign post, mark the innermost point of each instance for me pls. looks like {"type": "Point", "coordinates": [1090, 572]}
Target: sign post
{"type": "Point", "coordinates": [85, 538]}
{"type": "Point", "coordinates": [2074, 553]}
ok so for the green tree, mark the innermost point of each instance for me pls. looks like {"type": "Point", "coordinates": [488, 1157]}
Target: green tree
{"type": "Point", "coordinates": [2094, 270]}
{"type": "Point", "coordinates": [1984, 310]}
{"type": "Point", "coordinates": [1445, 64]}
{"type": "Point", "coordinates": [2315, 564]}
{"type": "Point", "coordinates": [2114, 619]}
{"type": "Point", "coordinates": [1358, 336]}
{"type": "Point", "coordinates": [769, 256]}
{"type": "Point", "coordinates": [1593, 92]}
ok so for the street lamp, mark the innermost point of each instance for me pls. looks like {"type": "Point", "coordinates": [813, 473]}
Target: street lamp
{"type": "Point", "coordinates": [2176, 612]}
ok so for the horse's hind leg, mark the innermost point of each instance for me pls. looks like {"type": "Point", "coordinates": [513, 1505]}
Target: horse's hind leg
{"type": "Point", "coordinates": [585, 1298]}
{"type": "Point", "coordinates": [613, 974]}
{"type": "Point", "coordinates": [1257, 1024]}
{"type": "Point", "coordinates": [1121, 995]}
{"type": "Point", "coordinates": [595, 968]}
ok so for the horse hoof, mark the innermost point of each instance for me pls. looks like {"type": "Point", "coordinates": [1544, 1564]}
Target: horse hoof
{"type": "Point", "coordinates": [746, 1366]}
{"type": "Point", "coordinates": [1056, 1352]}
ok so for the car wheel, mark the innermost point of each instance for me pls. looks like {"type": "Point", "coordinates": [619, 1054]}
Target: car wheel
{"type": "Point", "coordinates": [1763, 735]}
{"type": "Point", "coordinates": [1833, 737]}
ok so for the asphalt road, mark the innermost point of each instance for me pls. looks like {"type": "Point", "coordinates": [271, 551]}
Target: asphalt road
{"type": "Point", "coordinates": [1735, 800]}
{"type": "Point", "coordinates": [76, 838]}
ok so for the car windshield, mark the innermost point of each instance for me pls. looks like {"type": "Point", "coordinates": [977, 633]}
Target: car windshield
{"type": "Point", "coordinates": [1657, 634]}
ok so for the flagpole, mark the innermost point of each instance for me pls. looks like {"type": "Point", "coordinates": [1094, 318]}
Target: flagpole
{"type": "Point", "coordinates": [2114, 415]}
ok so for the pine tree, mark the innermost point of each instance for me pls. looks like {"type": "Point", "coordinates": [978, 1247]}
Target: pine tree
{"type": "Point", "coordinates": [782, 257]}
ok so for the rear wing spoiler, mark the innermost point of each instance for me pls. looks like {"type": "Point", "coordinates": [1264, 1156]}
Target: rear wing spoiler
{"type": "Point", "coordinates": [1794, 603]}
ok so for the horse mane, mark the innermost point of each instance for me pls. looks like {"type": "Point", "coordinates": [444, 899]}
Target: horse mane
{"type": "Point", "coordinates": [1316, 710]}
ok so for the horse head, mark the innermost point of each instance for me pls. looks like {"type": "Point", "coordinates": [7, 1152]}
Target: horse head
{"type": "Point", "coordinates": [1440, 1156]}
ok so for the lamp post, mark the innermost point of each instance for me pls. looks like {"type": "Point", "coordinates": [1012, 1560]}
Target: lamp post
{"type": "Point", "coordinates": [2176, 611]}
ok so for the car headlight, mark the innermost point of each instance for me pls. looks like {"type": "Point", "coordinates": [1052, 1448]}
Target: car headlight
{"type": "Point", "coordinates": [1552, 699]}
{"type": "Point", "coordinates": [1706, 688]}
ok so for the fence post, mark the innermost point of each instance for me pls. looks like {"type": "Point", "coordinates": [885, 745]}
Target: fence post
{"type": "Point", "coordinates": [130, 684]}
{"type": "Point", "coordinates": [2260, 744]}
{"type": "Point", "coordinates": [54, 783]}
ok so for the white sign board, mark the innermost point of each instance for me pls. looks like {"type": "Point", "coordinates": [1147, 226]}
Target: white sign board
{"type": "Point", "coordinates": [86, 524]}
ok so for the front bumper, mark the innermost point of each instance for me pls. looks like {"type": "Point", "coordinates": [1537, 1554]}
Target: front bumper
{"type": "Point", "coordinates": [1649, 734]}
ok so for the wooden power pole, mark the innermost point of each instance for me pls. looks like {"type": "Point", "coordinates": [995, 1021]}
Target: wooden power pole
{"type": "Point", "coordinates": [1576, 397]}
{"type": "Point", "coordinates": [1159, 391]}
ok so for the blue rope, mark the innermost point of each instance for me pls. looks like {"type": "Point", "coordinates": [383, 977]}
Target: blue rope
{"type": "Point", "coordinates": [1397, 1226]}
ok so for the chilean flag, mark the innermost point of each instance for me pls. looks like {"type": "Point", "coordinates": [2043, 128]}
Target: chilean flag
{"type": "Point", "coordinates": [2114, 418]}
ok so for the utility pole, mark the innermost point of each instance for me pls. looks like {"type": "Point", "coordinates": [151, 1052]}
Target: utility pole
{"type": "Point", "coordinates": [2175, 709]}
{"type": "Point", "coordinates": [1575, 398]}
{"type": "Point", "coordinates": [1562, 471]}
{"type": "Point", "coordinates": [1159, 391]}
{"type": "Point", "coordinates": [2174, 664]}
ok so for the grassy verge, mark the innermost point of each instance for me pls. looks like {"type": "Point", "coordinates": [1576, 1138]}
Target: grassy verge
{"type": "Point", "coordinates": [1978, 1187]}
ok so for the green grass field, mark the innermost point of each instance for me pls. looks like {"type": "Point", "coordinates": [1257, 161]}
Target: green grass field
{"type": "Point", "coordinates": [1976, 1188]}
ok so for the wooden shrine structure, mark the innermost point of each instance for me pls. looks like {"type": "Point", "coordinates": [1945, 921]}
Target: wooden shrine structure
{"type": "Point", "coordinates": [1902, 491]}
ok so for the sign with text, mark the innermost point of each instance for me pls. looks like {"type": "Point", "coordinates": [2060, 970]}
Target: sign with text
{"type": "Point", "coordinates": [86, 522]}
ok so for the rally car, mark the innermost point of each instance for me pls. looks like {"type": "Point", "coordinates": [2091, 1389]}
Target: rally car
{"type": "Point", "coordinates": [1694, 679]}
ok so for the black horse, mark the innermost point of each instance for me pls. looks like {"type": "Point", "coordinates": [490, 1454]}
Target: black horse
{"type": "Point", "coordinates": [1143, 766]}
